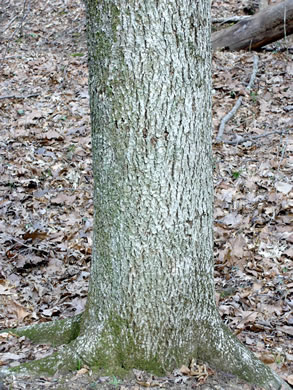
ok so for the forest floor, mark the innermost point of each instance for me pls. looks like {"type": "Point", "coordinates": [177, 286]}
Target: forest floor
{"type": "Point", "coordinates": [46, 207]}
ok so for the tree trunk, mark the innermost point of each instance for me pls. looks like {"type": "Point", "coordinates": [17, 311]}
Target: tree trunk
{"type": "Point", "coordinates": [152, 266]}
{"type": "Point", "coordinates": [151, 301]}
{"type": "Point", "coordinates": [271, 24]}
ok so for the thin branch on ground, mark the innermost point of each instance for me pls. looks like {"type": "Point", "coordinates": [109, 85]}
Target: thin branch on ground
{"type": "Point", "coordinates": [231, 113]}
{"type": "Point", "coordinates": [19, 96]}
{"type": "Point", "coordinates": [29, 246]}
{"type": "Point", "coordinates": [254, 72]}
{"type": "Point", "coordinates": [284, 148]}
{"type": "Point", "coordinates": [9, 24]}
{"type": "Point", "coordinates": [231, 19]}
{"type": "Point", "coordinates": [253, 138]}
{"type": "Point", "coordinates": [277, 49]}
{"type": "Point", "coordinates": [24, 13]}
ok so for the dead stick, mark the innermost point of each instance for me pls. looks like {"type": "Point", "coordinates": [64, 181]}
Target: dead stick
{"type": "Point", "coordinates": [241, 140]}
{"type": "Point", "coordinates": [231, 113]}
{"type": "Point", "coordinates": [19, 96]}
{"type": "Point", "coordinates": [231, 19]}
{"type": "Point", "coordinates": [29, 246]}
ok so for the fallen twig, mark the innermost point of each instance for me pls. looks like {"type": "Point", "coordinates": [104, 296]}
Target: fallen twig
{"type": "Point", "coordinates": [231, 19]}
{"type": "Point", "coordinates": [29, 246]}
{"type": "Point", "coordinates": [240, 140]}
{"type": "Point", "coordinates": [231, 113]}
{"type": "Point", "coordinates": [277, 49]}
{"type": "Point", "coordinates": [19, 96]}
{"type": "Point", "coordinates": [25, 11]}
{"type": "Point", "coordinates": [284, 148]}
{"type": "Point", "coordinates": [9, 23]}
{"type": "Point", "coordinates": [20, 242]}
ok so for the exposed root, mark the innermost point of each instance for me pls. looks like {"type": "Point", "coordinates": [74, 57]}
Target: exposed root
{"type": "Point", "coordinates": [54, 332]}
{"type": "Point", "coordinates": [64, 360]}
{"type": "Point", "coordinates": [223, 351]}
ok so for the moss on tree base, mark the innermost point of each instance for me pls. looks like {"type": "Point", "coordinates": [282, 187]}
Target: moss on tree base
{"type": "Point", "coordinates": [56, 332]}
{"type": "Point", "coordinates": [234, 358]}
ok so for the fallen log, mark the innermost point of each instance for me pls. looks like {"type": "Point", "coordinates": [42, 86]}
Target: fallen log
{"type": "Point", "coordinates": [273, 23]}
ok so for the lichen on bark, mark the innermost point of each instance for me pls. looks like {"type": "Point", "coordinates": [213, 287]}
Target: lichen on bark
{"type": "Point", "coordinates": [151, 296]}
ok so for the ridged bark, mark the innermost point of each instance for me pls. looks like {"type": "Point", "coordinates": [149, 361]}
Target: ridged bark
{"type": "Point", "coordinates": [152, 267]}
{"type": "Point", "coordinates": [151, 297]}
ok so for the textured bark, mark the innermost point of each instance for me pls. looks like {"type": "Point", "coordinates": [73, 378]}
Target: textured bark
{"type": "Point", "coordinates": [269, 25]}
{"type": "Point", "coordinates": [56, 332]}
{"type": "Point", "coordinates": [152, 268]}
{"type": "Point", "coordinates": [151, 299]}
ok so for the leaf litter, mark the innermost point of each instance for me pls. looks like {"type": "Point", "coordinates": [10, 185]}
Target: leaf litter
{"type": "Point", "coordinates": [46, 204]}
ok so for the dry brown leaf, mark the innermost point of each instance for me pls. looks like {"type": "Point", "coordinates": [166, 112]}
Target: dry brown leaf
{"type": "Point", "coordinates": [289, 379]}
{"type": "Point", "coordinates": [267, 358]}
{"type": "Point", "coordinates": [19, 310]}
{"type": "Point", "coordinates": [64, 198]}
{"type": "Point", "coordinates": [82, 371]}
{"type": "Point", "coordinates": [238, 247]}
{"type": "Point", "coordinates": [184, 370]}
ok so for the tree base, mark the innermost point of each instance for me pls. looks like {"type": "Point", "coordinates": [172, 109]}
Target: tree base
{"type": "Point", "coordinates": [216, 347]}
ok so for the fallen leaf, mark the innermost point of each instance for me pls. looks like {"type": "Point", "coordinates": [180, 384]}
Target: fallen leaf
{"type": "Point", "coordinates": [267, 358]}
{"type": "Point", "coordinates": [19, 310]}
{"type": "Point", "coordinates": [82, 371]}
{"type": "Point", "coordinates": [238, 247]}
{"type": "Point", "coordinates": [232, 219]}
{"type": "Point", "coordinates": [289, 379]}
{"type": "Point", "coordinates": [286, 329]}
{"type": "Point", "coordinates": [283, 187]}
{"type": "Point", "coordinates": [184, 370]}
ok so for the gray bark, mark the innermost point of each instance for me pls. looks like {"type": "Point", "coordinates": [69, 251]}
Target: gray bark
{"type": "Point", "coordinates": [151, 298]}
{"type": "Point", "coordinates": [151, 119]}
